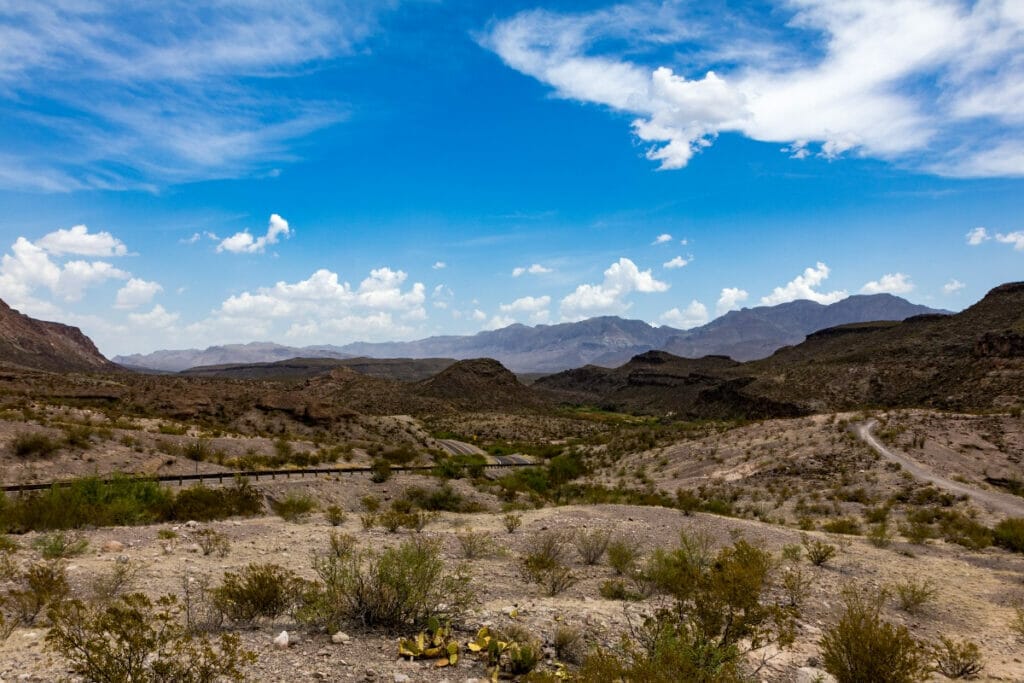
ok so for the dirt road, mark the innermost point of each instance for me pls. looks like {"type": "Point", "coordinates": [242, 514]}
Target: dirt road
{"type": "Point", "coordinates": [1004, 503]}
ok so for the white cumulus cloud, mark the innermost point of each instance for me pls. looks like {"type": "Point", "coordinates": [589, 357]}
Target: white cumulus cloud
{"type": "Point", "coordinates": [953, 286]}
{"type": "Point", "coordinates": [677, 262]}
{"type": "Point", "coordinates": [662, 238]}
{"type": "Point", "coordinates": [244, 243]}
{"type": "Point", "coordinates": [890, 283]}
{"type": "Point", "coordinates": [610, 296]}
{"type": "Point", "coordinates": [158, 318]}
{"type": "Point", "coordinates": [136, 292]}
{"type": "Point", "coordinates": [693, 315]}
{"type": "Point", "coordinates": [79, 241]}
{"type": "Point", "coordinates": [977, 236]}
{"type": "Point", "coordinates": [730, 298]}
{"type": "Point", "coordinates": [803, 287]}
{"type": "Point", "coordinates": [1014, 238]}
{"type": "Point", "coordinates": [439, 265]}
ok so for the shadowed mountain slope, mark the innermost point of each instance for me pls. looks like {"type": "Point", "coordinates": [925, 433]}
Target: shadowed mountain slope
{"type": "Point", "coordinates": [41, 345]}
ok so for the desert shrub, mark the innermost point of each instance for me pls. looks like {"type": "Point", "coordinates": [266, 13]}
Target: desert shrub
{"type": "Point", "coordinates": [370, 503]}
{"type": "Point", "coordinates": [78, 436]}
{"type": "Point", "coordinates": [912, 595]}
{"type": "Point", "coordinates": [212, 542]}
{"type": "Point", "coordinates": [7, 544]}
{"type": "Point", "coordinates": [475, 544]}
{"type": "Point", "coordinates": [962, 530]}
{"type": "Point", "coordinates": [863, 647]}
{"type": "Point", "coordinates": [796, 584]}
{"type": "Point", "coordinates": [512, 521]}
{"type": "Point", "coordinates": [438, 499]}
{"type": "Point", "coordinates": [544, 563]}
{"type": "Point", "coordinates": [258, 590]}
{"type": "Point", "coordinates": [60, 544]}
{"type": "Point", "coordinates": [792, 552]}
{"type": "Point", "coordinates": [197, 451]}
{"type": "Point", "coordinates": [957, 659]}
{"type": "Point", "coordinates": [335, 515]}
{"type": "Point", "coordinates": [395, 589]}
{"type": "Point", "coordinates": [842, 525]}
{"type": "Point", "coordinates": [134, 639]}
{"type": "Point", "coordinates": [42, 585]}
{"type": "Point", "coordinates": [368, 520]}
{"type": "Point", "coordinates": [199, 612]}
{"type": "Point", "coordinates": [622, 556]}
{"type": "Point", "coordinates": [880, 536]}
{"type": "Point", "coordinates": [33, 445]}
{"type": "Point", "coordinates": [340, 545]}
{"type": "Point", "coordinates": [592, 545]}
{"type": "Point", "coordinates": [616, 589]}
{"type": "Point", "coordinates": [295, 507]}
{"type": "Point", "coordinates": [818, 552]}
{"type": "Point", "coordinates": [204, 504]}
{"type": "Point", "coordinates": [110, 585]}
{"type": "Point", "coordinates": [391, 520]}
{"type": "Point", "coordinates": [1009, 534]}
{"type": "Point", "coordinates": [380, 471]}
{"type": "Point", "coordinates": [568, 643]}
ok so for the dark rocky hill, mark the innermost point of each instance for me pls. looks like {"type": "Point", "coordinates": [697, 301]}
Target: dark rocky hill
{"type": "Point", "coordinates": [401, 369]}
{"type": "Point", "coordinates": [40, 345]}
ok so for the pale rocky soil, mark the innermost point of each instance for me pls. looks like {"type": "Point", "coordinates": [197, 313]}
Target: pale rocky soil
{"type": "Point", "coordinates": [976, 590]}
{"type": "Point", "coordinates": [772, 463]}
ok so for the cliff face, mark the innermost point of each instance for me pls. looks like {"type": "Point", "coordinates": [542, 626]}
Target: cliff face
{"type": "Point", "coordinates": [44, 345]}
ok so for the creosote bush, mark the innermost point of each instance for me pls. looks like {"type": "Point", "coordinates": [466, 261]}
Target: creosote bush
{"type": "Point", "coordinates": [818, 552]}
{"type": "Point", "coordinates": [512, 521]}
{"type": "Point", "coordinates": [474, 544]}
{"type": "Point", "coordinates": [545, 563]}
{"type": "Point", "coordinates": [33, 445]}
{"type": "Point", "coordinates": [395, 589]}
{"type": "Point", "coordinates": [1009, 534]}
{"type": "Point", "coordinates": [863, 647]}
{"type": "Point", "coordinates": [912, 595]}
{"type": "Point", "coordinates": [622, 556]}
{"type": "Point", "coordinates": [60, 544]}
{"type": "Point", "coordinates": [135, 639]}
{"type": "Point", "coordinates": [39, 587]}
{"type": "Point", "coordinates": [258, 591]}
{"type": "Point", "coordinates": [335, 515]}
{"type": "Point", "coordinates": [957, 659]}
{"type": "Point", "coordinates": [720, 611]}
{"type": "Point", "coordinates": [212, 542]}
{"type": "Point", "coordinates": [295, 507]}
{"type": "Point", "coordinates": [592, 545]}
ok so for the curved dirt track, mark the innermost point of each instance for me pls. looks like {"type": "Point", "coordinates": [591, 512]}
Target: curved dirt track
{"type": "Point", "coordinates": [1004, 503]}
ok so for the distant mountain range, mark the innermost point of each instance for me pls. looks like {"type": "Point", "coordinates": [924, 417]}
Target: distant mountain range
{"type": "Point", "coordinates": [609, 341]}
{"type": "Point", "coordinates": [36, 344]}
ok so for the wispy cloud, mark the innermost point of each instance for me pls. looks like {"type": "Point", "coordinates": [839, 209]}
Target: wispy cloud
{"type": "Point", "coordinates": [140, 94]}
{"type": "Point", "coordinates": [931, 84]}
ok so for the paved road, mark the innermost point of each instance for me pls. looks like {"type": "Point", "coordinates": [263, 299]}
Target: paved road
{"type": "Point", "coordinates": [1005, 503]}
{"type": "Point", "coordinates": [454, 447]}
{"type": "Point", "coordinates": [459, 447]}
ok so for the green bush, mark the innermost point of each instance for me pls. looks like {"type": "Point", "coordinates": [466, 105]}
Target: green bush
{"type": "Point", "coordinates": [335, 515]}
{"type": "Point", "coordinates": [1009, 534]}
{"type": "Point", "coordinates": [842, 525]}
{"type": "Point", "coordinates": [862, 647]}
{"type": "Point", "coordinates": [380, 471]}
{"type": "Point", "coordinates": [912, 595]}
{"type": "Point", "coordinates": [212, 542]}
{"type": "Point", "coordinates": [544, 563]}
{"type": "Point", "coordinates": [295, 507]}
{"type": "Point", "coordinates": [475, 544]}
{"type": "Point", "coordinates": [33, 445]}
{"type": "Point", "coordinates": [818, 552]}
{"type": "Point", "coordinates": [60, 544]}
{"type": "Point", "coordinates": [396, 589]}
{"type": "Point", "coordinates": [512, 521]}
{"type": "Point", "coordinates": [592, 545]}
{"type": "Point", "coordinates": [957, 660]}
{"type": "Point", "coordinates": [42, 585]}
{"type": "Point", "coordinates": [135, 640]}
{"type": "Point", "coordinates": [258, 591]}
{"type": "Point", "coordinates": [622, 556]}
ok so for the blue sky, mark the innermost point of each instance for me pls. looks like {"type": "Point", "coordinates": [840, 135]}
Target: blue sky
{"type": "Point", "coordinates": [324, 172]}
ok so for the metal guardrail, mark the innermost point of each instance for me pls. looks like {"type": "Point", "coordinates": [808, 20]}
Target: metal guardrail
{"type": "Point", "coordinates": [254, 475]}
